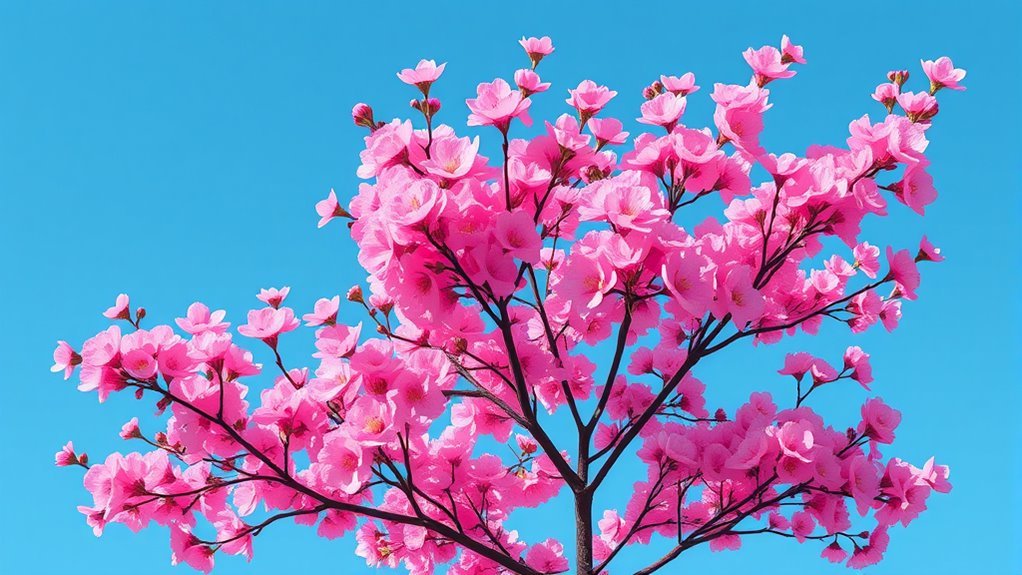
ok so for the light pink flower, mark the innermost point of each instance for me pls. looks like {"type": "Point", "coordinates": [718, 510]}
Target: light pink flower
{"type": "Point", "coordinates": [943, 74]}
{"type": "Point", "coordinates": [423, 75]}
{"type": "Point", "coordinates": [65, 359]}
{"type": "Point", "coordinates": [791, 52]}
{"type": "Point", "coordinates": [273, 297]}
{"type": "Point", "coordinates": [120, 309]}
{"type": "Point", "coordinates": [664, 110]}
{"type": "Point", "coordinates": [887, 94]}
{"type": "Point", "coordinates": [496, 104]}
{"type": "Point", "coordinates": [329, 209]}
{"type": "Point", "coordinates": [187, 548]}
{"type": "Point", "coordinates": [268, 323]}
{"type": "Point", "coordinates": [919, 107]}
{"type": "Point", "coordinates": [199, 319]}
{"type": "Point", "coordinates": [867, 259]}
{"type": "Point", "coordinates": [766, 65]}
{"type": "Point", "coordinates": [680, 86]}
{"type": "Point", "coordinates": [537, 48]}
{"type": "Point", "coordinates": [529, 82]}
{"type": "Point", "coordinates": [451, 157]}
{"type": "Point", "coordinates": [66, 456]}
{"type": "Point", "coordinates": [858, 361]}
{"type": "Point", "coordinates": [589, 98]}
{"type": "Point", "coordinates": [130, 430]}
{"type": "Point", "coordinates": [607, 131]}
{"type": "Point", "coordinates": [324, 312]}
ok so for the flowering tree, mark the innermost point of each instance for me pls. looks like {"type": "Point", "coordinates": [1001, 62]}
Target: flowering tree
{"type": "Point", "coordinates": [490, 286]}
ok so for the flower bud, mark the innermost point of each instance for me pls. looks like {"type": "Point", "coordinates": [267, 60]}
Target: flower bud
{"type": "Point", "coordinates": [720, 415]}
{"type": "Point", "coordinates": [83, 459]}
{"type": "Point", "coordinates": [355, 294]}
{"type": "Point", "coordinates": [362, 115]}
{"type": "Point", "coordinates": [898, 77]}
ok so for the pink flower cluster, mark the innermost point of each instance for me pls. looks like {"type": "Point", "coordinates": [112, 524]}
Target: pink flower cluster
{"type": "Point", "coordinates": [488, 283]}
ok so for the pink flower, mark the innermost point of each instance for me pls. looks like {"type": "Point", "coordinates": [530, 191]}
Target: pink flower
{"type": "Point", "coordinates": [887, 94]}
{"type": "Point", "coordinates": [329, 209]}
{"type": "Point", "coordinates": [273, 296]}
{"type": "Point", "coordinates": [537, 48]}
{"type": "Point", "coordinates": [516, 234]}
{"type": "Point", "coordinates": [199, 320]}
{"type": "Point", "coordinates": [802, 525]}
{"type": "Point", "coordinates": [65, 358]}
{"type": "Point", "coordinates": [919, 107]}
{"type": "Point", "coordinates": [927, 252]}
{"type": "Point", "coordinates": [529, 82]}
{"type": "Point", "coordinates": [879, 420]}
{"type": "Point", "coordinates": [130, 430]}
{"type": "Point", "coordinates": [943, 74]}
{"type": "Point", "coordinates": [738, 297]}
{"type": "Point", "coordinates": [452, 158]}
{"type": "Point", "coordinates": [683, 277]}
{"type": "Point", "coordinates": [858, 361]}
{"type": "Point", "coordinates": [422, 77]}
{"type": "Point", "coordinates": [791, 52]}
{"type": "Point", "coordinates": [680, 86]}
{"type": "Point", "coordinates": [607, 131]}
{"type": "Point", "coordinates": [187, 548]}
{"type": "Point", "coordinates": [344, 466]}
{"type": "Point", "coordinates": [589, 99]}
{"type": "Point", "coordinates": [324, 312]}
{"type": "Point", "coordinates": [120, 309]}
{"type": "Point", "coordinates": [547, 557]}
{"type": "Point", "coordinates": [834, 553]}
{"type": "Point", "coordinates": [496, 104]}
{"type": "Point", "coordinates": [796, 440]}
{"type": "Point", "coordinates": [664, 110]}
{"type": "Point", "coordinates": [867, 259]}
{"type": "Point", "coordinates": [66, 456]}
{"type": "Point", "coordinates": [915, 189]}
{"type": "Point", "coordinates": [268, 323]}
{"type": "Point", "coordinates": [139, 364]}
{"type": "Point", "coordinates": [766, 65]}
{"type": "Point", "coordinates": [526, 445]}
{"type": "Point", "coordinates": [903, 272]}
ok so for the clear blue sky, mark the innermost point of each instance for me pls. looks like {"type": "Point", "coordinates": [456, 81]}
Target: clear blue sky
{"type": "Point", "coordinates": [175, 152]}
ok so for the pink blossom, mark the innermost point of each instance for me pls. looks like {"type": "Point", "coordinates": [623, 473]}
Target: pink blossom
{"type": "Point", "coordinates": [547, 557]}
{"type": "Point", "coordinates": [879, 420]}
{"type": "Point", "coordinates": [199, 319]}
{"type": "Point", "coordinates": [362, 115]}
{"type": "Point", "coordinates": [65, 359]}
{"type": "Point", "coordinates": [529, 82]}
{"type": "Point", "coordinates": [130, 430]}
{"type": "Point", "coordinates": [188, 549]}
{"type": "Point", "coordinates": [66, 456]}
{"type": "Point", "coordinates": [943, 74]}
{"type": "Point", "coordinates": [537, 48]}
{"type": "Point", "coordinates": [766, 65]}
{"type": "Point", "coordinates": [739, 298]}
{"type": "Point", "coordinates": [496, 104]}
{"type": "Point", "coordinates": [903, 272]}
{"type": "Point", "coordinates": [268, 323]}
{"type": "Point", "coordinates": [324, 312]}
{"type": "Point", "coordinates": [120, 309]}
{"type": "Point", "coordinates": [834, 553]}
{"type": "Point", "coordinates": [452, 158]}
{"type": "Point", "coordinates": [867, 259]}
{"type": "Point", "coordinates": [858, 361]}
{"type": "Point", "coordinates": [927, 252]}
{"type": "Point", "coordinates": [664, 110]}
{"type": "Point", "coordinates": [273, 297]}
{"type": "Point", "coordinates": [589, 98]}
{"type": "Point", "coordinates": [802, 525]}
{"type": "Point", "coordinates": [423, 75]}
{"type": "Point", "coordinates": [680, 85]}
{"type": "Point", "coordinates": [607, 131]}
{"type": "Point", "coordinates": [796, 440]}
{"type": "Point", "coordinates": [887, 94]}
{"type": "Point", "coordinates": [920, 107]}
{"type": "Point", "coordinates": [329, 209]}
{"type": "Point", "coordinates": [791, 52]}
{"type": "Point", "coordinates": [516, 234]}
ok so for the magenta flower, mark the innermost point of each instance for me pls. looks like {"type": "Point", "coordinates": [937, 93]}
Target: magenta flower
{"type": "Point", "coordinates": [903, 271]}
{"type": "Point", "coordinates": [928, 252]}
{"type": "Point", "coordinates": [879, 420]}
{"type": "Point", "coordinates": [130, 430]}
{"type": "Point", "coordinates": [362, 115]}
{"type": "Point", "coordinates": [834, 553]}
{"type": "Point", "coordinates": [324, 312]}
{"type": "Point", "coordinates": [496, 104]}
{"type": "Point", "coordinates": [423, 75]}
{"type": "Point", "coordinates": [943, 74]}
{"type": "Point", "coordinates": [857, 361]}
{"type": "Point", "coordinates": [66, 456]}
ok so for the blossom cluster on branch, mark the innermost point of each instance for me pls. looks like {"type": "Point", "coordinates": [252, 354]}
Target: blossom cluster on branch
{"type": "Point", "coordinates": [488, 286]}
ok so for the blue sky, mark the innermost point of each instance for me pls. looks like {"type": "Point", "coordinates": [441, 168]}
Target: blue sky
{"type": "Point", "coordinates": [176, 153]}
